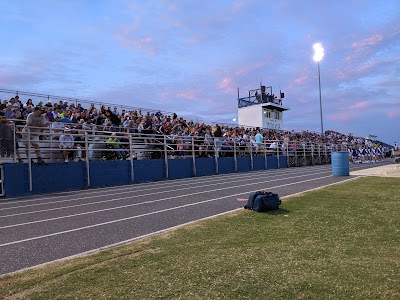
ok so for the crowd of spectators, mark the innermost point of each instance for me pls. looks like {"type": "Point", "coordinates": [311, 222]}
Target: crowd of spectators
{"type": "Point", "coordinates": [75, 116]}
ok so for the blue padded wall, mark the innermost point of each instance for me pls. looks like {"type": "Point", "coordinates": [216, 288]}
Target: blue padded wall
{"type": "Point", "coordinates": [16, 179]}
{"type": "Point", "coordinates": [149, 170]}
{"type": "Point", "coordinates": [58, 177]}
{"type": "Point", "coordinates": [180, 168]}
{"type": "Point", "coordinates": [258, 163]}
{"type": "Point", "coordinates": [72, 176]}
{"type": "Point", "coordinates": [205, 166]}
{"type": "Point", "coordinates": [272, 162]}
{"type": "Point", "coordinates": [109, 172]}
{"type": "Point", "coordinates": [283, 161]}
{"type": "Point", "coordinates": [243, 164]}
{"type": "Point", "coordinates": [226, 165]}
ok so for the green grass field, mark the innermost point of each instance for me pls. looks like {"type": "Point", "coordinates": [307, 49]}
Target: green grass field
{"type": "Point", "coordinates": [340, 242]}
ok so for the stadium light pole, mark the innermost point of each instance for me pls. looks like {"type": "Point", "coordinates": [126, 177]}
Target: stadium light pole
{"type": "Point", "coordinates": [318, 55]}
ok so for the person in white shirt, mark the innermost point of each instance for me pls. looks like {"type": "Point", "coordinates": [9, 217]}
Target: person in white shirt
{"type": "Point", "coordinates": [34, 126]}
{"type": "Point", "coordinates": [67, 144]}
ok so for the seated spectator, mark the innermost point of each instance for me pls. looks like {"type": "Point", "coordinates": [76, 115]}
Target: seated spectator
{"type": "Point", "coordinates": [67, 145]}
{"type": "Point", "coordinates": [49, 114]}
{"type": "Point", "coordinates": [115, 111]}
{"type": "Point", "coordinates": [131, 127]}
{"type": "Point", "coordinates": [27, 111]}
{"type": "Point", "coordinates": [79, 108]}
{"type": "Point", "coordinates": [79, 145]}
{"type": "Point", "coordinates": [3, 105]}
{"type": "Point", "coordinates": [8, 112]}
{"type": "Point", "coordinates": [273, 147]}
{"type": "Point", "coordinates": [15, 111]}
{"type": "Point", "coordinates": [115, 144]}
{"type": "Point", "coordinates": [65, 118]}
{"type": "Point", "coordinates": [48, 104]}
{"type": "Point", "coordinates": [56, 113]}
{"type": "Point", "coordinates": [57, 126]}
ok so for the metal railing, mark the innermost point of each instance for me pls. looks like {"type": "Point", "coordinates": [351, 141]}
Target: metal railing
{"type": "Point", "coordinates": [90, 145]}
{"type": "Point", "coordinates": [6, 94]}
{"type": "Point", "coordinates": [153, 146]}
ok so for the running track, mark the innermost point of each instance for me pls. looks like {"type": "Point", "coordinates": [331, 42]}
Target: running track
{"type": "Point", "coordinates": [40, 229]}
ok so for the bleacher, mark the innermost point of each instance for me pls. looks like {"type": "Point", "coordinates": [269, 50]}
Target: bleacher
{"type": "Point", "coordinates": [166, 134]}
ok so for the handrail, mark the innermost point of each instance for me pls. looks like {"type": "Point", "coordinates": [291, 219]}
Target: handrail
{"type": "Point", "coordinates": [96, 145]}
{"type": "Point", "coordinates": [84, 101]}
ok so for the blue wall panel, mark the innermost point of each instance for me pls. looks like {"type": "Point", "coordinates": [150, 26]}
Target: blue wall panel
{"type": "Point", "coordinates": [58, 177]}
{"type": "Point", "coordinates": [149, 170]}
{"type": "Point", "coordinates": [16, 179]}
{"type": "Point", "coordinates": [180, 168]}
{"type": "Point", "coordinates": [205, 166]}
{"type": "Point", "coordinates": [258, 163]}
{"type": "Point", "coordinates": [72, 176]}
{"type": "Point", "coordinates": [283, 161]}
{"type": "Point", "coordinates": [243, 164]}
{"type": "Point", "coordinates": [272, 162]}
{"type": "Point", "coordinates": [226, 165]}
{"type": "Point", "coordinates": [109, 172]}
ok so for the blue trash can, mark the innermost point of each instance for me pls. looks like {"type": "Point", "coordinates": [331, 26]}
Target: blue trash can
{"type": "Point", "coordinates": [340, 163]}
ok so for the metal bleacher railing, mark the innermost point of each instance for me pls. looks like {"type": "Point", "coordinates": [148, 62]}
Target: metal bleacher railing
{"type": "Point", "coordinates": [149, 145]}
{"type": "Point", "coordinates": [18, 146]}
{"type": "Point", "coordinates": [6, 94]}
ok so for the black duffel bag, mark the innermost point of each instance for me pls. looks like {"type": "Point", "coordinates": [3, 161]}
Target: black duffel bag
{"type": "Point", "coordinates": [263, 201]}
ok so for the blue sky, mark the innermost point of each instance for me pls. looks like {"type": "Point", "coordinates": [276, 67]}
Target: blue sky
{"type": "Point", "coordinates": [190, 56]}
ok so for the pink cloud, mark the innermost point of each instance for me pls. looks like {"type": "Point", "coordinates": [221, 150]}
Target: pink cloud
{"type": "Point", "coordinates": [144, 43]}
{"type": "Point", "coordinates": [373, 40]}
{"type": "Point", "coordinates": [237, 6]}
{"type": "Point", "coordinates": [190, 95]}
{"type": "Point", "coordinates": [360, 105]}
{"type": "Point", "coordinates": [300, 80]}
{"type": "Point", "coordinates": [370, 65]}
{"type": "Point", "coordinates": [393, 114]}
{"type": "Point", "coordinates": [341, 117]}
{"type": "Point", "coordinates": [226, 85]}
{"type": "Point", "coordinates": [368, 42]}
{"type": "Point", "coordinates": [6, 78]}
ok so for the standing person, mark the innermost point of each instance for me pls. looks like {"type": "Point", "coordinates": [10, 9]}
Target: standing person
{"type": "Point", "coordinates": [217, 139]}
{"type": "Point", "coordinates": [259, 141]}
{"type": "Point", "coordinates": [34, 124]}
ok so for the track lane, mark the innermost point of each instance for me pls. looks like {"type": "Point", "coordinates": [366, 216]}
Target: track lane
{"type": "Point", "coordinates": [26, 245]}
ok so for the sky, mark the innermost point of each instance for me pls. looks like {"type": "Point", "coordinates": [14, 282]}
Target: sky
{"type": "Point", "coordinates": [190, 57]}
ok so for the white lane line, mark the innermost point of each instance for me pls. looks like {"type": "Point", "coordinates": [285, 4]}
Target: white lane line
{"type": "Point", "coordinates": [136, 187]}
{"type": "Point", "coordinates": [147, 214]}
{"type": "Point", "coordinates": [156, 233]}
{"type": "Point", "coordinates": [133, 187]}
{"type": "Point", "coordinates": [141, 195]}
{"type": "Point", "coordinates": [159, 184]}
{"type": "Point", "coordinates": [145, 202]}
{"type": "Point", "coordinates": [128, 186]}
